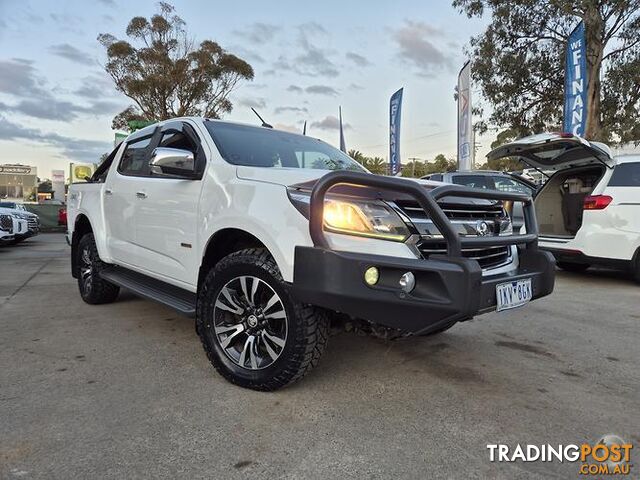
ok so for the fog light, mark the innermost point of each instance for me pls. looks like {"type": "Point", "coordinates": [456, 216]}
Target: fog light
{"type": "Point", "coordinates": [371, 275]}
{"type": "Point", "coordinates": [407, 282]}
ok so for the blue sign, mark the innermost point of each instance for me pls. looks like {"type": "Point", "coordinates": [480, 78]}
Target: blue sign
{"type": "Point", "coordinates": [395, 110]}
{"type": "Point", "coordinates": [575, 83]}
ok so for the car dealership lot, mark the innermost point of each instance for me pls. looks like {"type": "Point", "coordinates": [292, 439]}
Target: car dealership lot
{"type": "Point", "coordinates": [125, 390]}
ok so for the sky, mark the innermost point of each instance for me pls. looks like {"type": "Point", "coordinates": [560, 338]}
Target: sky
{"type": "Point", "coordinates": [309, 58]}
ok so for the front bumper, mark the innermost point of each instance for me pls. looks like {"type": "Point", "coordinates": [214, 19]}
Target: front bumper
{"type": "Point", "coordinates": [447, 289]}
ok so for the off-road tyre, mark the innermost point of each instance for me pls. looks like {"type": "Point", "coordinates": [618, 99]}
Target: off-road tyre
{"type": "Point", "coordinates": [93, 288]}
{"type": "Point", "coordinates": [307, 326]}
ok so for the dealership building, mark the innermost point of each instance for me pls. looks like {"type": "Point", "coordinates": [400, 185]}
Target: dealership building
{"type": "Point", "coordinates": [19, 182]}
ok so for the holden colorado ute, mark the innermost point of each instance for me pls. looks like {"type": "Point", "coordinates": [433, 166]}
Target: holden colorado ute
{"type": "Point", "coordinates": [264, 236]}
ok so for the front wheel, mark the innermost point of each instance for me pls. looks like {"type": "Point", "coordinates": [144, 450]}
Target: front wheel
{"type": "Point", "coordinates": [573, 267]}
{"type": "Point", "coordinates": [93, 289]}
{"type": "Point", "coordinates": [254, 333]}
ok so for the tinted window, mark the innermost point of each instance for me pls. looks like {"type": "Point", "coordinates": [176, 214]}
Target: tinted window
{"type": "Point", "coordinates": [263, 147]}
{"type": "Point", "coordinates": [135, 157]}
{"type": "Point", "coordinates": [475, 181]}
{"type": "Point", "coordinates": [436, 177]}
{"type": "Point", "coordinates": [176, 139]}
{"type": "Point", "coordinates": [626, 175]}
{"type": "Point", "coordinates": [505, 184]}
{"type": "Point", "coordinates": [7, 205]}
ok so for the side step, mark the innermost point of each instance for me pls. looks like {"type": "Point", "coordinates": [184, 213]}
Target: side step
{"type": "Point", "coordinates": [175, 297]}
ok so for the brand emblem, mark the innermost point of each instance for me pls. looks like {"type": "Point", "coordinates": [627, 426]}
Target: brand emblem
{"type": "Point", "coordinates": [482, 228]}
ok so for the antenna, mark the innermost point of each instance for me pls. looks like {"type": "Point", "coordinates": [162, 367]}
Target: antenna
{"type": "Point", "coordinates": [304, 129]}
{"type": "Point", "coordinates": [264, 124]}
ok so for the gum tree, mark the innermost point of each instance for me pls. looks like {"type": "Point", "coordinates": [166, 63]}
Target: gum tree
{"type": "Point", "coordinates": [518, 62]}
{"type": "Point", "coordinates": [166, 74]}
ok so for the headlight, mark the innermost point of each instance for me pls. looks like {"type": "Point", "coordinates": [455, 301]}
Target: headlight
{"type": "Point", "coordinates": [362, 218]}
{"type": "Point", "coordinates": [367, 219]}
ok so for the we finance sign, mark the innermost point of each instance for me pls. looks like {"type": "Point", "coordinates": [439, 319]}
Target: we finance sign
{"type": "Point", "coordinates": [575, 83]}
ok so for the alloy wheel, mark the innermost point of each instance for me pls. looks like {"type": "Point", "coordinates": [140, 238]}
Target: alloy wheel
{"type": "Point", "coordinates": [250, 322]}
{"type": "Point", "coordinates": [86, 269]}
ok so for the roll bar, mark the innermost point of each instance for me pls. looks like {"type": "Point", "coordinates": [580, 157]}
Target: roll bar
{"type": "Point", "coordinates": [428, 200]}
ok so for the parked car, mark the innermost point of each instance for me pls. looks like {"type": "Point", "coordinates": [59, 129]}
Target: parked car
{"type": "Point", "coordinates": [588, 211]}
{"type": "Point", "coordinates": [492, 180]}
{"type": "Point", "coordinates": [12, 226]}
{"type": "Point", "coordinates": [262, 234]}
{"type": "Point", "coordinates": [32, 220]}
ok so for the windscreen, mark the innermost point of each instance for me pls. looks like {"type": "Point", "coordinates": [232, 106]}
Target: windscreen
{"type": "Point", "coordinates": [7, 205]}
{"type": "Point", "coordinates": [265, 147]}
{"type": "Point", "coordinates": [475, 181]}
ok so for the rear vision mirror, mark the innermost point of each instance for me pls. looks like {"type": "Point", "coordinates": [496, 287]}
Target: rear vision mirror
{"type": "Point", "coordinates": [173, 162]}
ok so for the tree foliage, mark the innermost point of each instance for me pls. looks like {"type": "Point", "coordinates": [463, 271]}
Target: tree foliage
{"type": "Point", "coordinates": [519, 63]}
{"type": "Point", "coordinates": [166, 74]}
{"type": "Point", "coordinates": [414, 168]}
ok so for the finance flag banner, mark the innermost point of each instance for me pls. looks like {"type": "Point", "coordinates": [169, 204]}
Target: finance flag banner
{"type": "Point", "coordinates": [465, 127]}
{"type": "Point", "coordinates": [395, 110]}
{"type": "Point", "coordinates": [575, 83]}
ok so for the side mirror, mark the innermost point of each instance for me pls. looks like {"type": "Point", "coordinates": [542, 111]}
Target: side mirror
{"type": "Point", "coordinates": [174, 162]}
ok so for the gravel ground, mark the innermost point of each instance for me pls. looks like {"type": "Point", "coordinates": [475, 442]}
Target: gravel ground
{"type": "Point", "coordinates": [125, 390]}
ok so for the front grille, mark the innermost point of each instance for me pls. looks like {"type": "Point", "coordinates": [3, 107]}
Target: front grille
{"type": "Point", "coordinates": [6, 223]}
{"type": "Point", "coordinates": [465, 218]}
{"type": "Point", "coordinates": [466, 212]}
{"type": "Point", "coordinates": [32, 223]}
{"type": "Point", "coordinates": [489, 257]}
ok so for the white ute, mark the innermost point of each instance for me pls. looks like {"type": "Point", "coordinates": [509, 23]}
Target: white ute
{"type": "Point", "coordinates": [264, 236]}
{"type": "Point", "coordinates": [589, 210]}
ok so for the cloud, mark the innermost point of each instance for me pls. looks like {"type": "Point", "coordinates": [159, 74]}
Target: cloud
{"type": "Point", "coordinates": [416, 47]}
{"type": "Point", "coordinates": [294, 89]}
{"type": "Point", "coordinates": [94, 86]}
{"type": "Point", "coordinates": [298, 110]}
{"type": "Point", "coordinates": [252, 102]}
{"type": "Point", "coordinates": [18, 77]}
{"type": "Point", "coordinates": [71, 53]}
{"type": "Point", "coordinates": [61, 110]}
{"type": "Point", "coordinates": [355, 86]}
{"type": "Point", "coordinates": [287, 128]}
{"type": "Point", "coordinates": [109, 3]}
{"type": "Point", "coordinates": [321, 90]}
{"type": "Point", "coordinates": [72, 148]}
{"type": "Point", "coordinates": [258, 32]}
{"type": "Point", "coordinates": [330, 122]}
{"type": "Point", "coordinates": [358, 60]}
{"type": "Point", "coordinates": [311, 60]}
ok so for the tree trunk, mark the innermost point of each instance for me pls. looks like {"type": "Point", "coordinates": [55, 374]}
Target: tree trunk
{"type": "Point", "coordinates": [594, 37]}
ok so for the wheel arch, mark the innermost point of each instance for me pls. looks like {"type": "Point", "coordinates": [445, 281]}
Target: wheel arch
{"type": "Point", "coordinates": [81, 227]}
{"type": "Point", "coordinates": [223, 243]}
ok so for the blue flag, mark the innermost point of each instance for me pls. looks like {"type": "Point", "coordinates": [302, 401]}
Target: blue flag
{"type": "Point", "coordinates": [575, 83]}
{"type": "Point", "coordinates": [395, 110]}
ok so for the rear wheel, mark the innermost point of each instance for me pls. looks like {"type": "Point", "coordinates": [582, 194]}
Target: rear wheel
{"type": "Point", "coordinates": [254, 333]}
{"type": "Point", "coordinates": [93, 289]}
{"type": "Point", "coordinates": [573, 267]}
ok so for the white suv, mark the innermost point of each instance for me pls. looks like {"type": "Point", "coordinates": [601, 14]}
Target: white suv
{"type": "Point", "coordinates": [589, 210]}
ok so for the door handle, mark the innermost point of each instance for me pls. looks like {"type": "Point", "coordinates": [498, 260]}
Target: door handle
{"type": "Point", "coordinates": [108, 191]}
{"type": "Point", "coordinates": [141, 195]}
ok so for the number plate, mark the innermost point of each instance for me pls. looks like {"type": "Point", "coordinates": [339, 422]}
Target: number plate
{"type": "Point", "coordinates": [513, 294]}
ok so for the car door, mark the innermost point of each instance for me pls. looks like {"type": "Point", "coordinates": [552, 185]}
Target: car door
{"type": "Point", "coordinates": [624, 209]}
{"type": "Point", "coordinates": [167, 212]}
{"type": "Point", "coordinates": [120, 198]}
